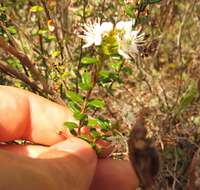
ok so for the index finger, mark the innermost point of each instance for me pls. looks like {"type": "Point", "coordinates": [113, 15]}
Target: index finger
{"type": "Point", "coordinates": [24, 115]}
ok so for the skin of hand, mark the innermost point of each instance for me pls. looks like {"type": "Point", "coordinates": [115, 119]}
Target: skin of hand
{"type": "Point", "coordinates": [55, 162]}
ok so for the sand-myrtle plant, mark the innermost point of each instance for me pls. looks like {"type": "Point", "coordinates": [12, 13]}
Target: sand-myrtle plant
{"type": "Point", "coordinates": [107, 46]}
{"type": "Point", "coordinates": [113, 39]}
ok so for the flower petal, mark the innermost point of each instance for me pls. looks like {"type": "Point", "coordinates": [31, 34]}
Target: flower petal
{"type": "Point", "coordinates": [123, 54]}
{"type": "Point", "coordinates": [106, 27]}
{"type": "Point", "coordinates": [97, 40]}
{"type": "Point", "coordinates": [125, 25]}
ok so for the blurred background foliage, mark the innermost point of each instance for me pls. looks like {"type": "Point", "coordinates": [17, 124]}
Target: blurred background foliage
{"type": "Point", "coordinates": [40, 51]}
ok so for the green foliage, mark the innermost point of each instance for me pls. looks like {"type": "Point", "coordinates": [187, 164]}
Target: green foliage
{"type": "Point", "coordinates": [88, 60]}
{"type": "Point", "coordinates": [95, 133]}
{"type": "Point", "coordinates": [92, 122]}
{"type": "Point", "coordinates": [76, 98]}
{"type": "Point", "coordinates": [187, 98]}
{"type": "Point", "coordinates": [12, 30]}
{"type": "Point", "coordinates": [130, 10]}
{"type": "Point", "coordinates": [86, 82]}
{"type": "Point", "coordinates": [36, 8]}
{"type": "Point", "coordinates": [104, 124]}
{"type": "Point", "coordinates": [96, 103]}
{"type": "Point", "coordinates": [71, 126]}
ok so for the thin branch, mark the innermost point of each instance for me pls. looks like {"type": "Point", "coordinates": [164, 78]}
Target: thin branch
{"type": "Point", "coordinates": [26, 62]}
{"type": "Point", "coordinates": [12, 40]}
{"type": "Point", "coordinates": [15, 73]}
{"type": "Point", "coordinates": [55, 30]}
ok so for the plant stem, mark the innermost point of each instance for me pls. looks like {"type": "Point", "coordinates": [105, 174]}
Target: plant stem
{"type": "Point", "coordinates": [95, 71]}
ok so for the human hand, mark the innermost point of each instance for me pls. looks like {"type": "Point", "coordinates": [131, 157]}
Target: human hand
{"type": "Point", "coordinates": [56, 162]}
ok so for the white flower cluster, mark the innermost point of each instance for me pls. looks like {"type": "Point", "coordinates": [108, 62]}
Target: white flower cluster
{"type": "Point", "coordinates": [128, 40]}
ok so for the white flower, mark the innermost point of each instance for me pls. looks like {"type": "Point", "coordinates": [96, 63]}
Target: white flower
{"type": "Point", "coordinates": [128, 40]}
{"type": "Point", "coordinates": [94, 32]}
{"type": "Point", "coordinates": [125, 26]}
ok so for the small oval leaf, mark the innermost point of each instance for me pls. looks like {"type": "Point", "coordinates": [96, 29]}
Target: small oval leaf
{"type": "Point", "coordinates": [97, 103]}
{"type": "Point", "coordinates": [76, 98]}
{"type": "Point", "coordinates": [70, 125]}
{"type": "Point", "coordinates": [36, 8]}
{"type": "Point", "coordinates": [89, 60]}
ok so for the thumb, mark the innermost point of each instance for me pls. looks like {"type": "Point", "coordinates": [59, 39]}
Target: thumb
{"type": "Point", "coordinates": [72, 164]}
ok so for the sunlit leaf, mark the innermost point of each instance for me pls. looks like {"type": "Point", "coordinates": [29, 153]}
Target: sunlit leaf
{"type": "Point", "coordinates": [86, 83]}
{"type": "Point", "coordinates": [88, 60]}
{"type": "Point", "coordinates": [104, 124]}
{"type": "Point", "coordinates": [76, 98]}
{"type": "Point", "coordinates": [55, 53]}
{"type": "Point", "coordinates": [74, 107]}
{"type": "Point", "coordinates": [85, 138]}
{"type": "Point", "coordinates": [95, 133]}
{"type": "Point", "coordinates": [70, 125]}
{"type": "Point", "coordinates": [92, 122]}
{"type": "Point", "coordinates": [12, 29]}
{"type": "Point", "coordinates": [129, 9]}
{"type": "Point", "coordinates": [42, 31]}
{"type": "Point", "coordinates": [79, 116]}
{"type": "Point", "coordinates": [127, 70]}
{"type": "Point", "coordinates": [97, 103]}
{"type": "Point", "coordinates": [36, 8]}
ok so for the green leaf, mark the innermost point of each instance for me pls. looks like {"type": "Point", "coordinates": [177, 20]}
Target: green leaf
{"type": "Point", "coordinates": [12, 29]}
{"type": "Point", "coordinates": [105, 138]}
{"type": "Point", "coordinates": [104, 124]}
{"type": "Point", "coordinates": [187, 98]}
{"type": "Point", "coordinates": [71, 125]}
{"type": "Point", "coordinates": [92, 122]}
{"type": "Point", "coordinates": [14, 63]}
{"type": "Point", "coordinates": [115, 64]}
{"type": "Point", "coordinates": [127, 70]}
{"type": "Point", "coordinates": [49, 38]}
{"type": "Point", "coordinates": [86, 83]}
{"type": "Point", "coordinates": [55, 53]}
{"type": "Point", "coordinates": [106, 77]}
{"type": "Point", "coordinates": [104, 73]}
{"type": "Point", "coordinates": [2, 9]}
{"type": "Point", "coordinates": [97, 103]}
{"type": "Point", "coordinates": [93, 145]}
{"type": "Point", "coordinates": [88, 60]}
{"type": "Point", "coordinates": [79, 116]}
{"type": "Point", "coordinates": [85, 138]}
{"type": "Point", "coordinates": [115, 77]}
{"type": "Point", "coordinates": [73, 106]}
{"type": "Point", "coordinates": [42, 31]}
{"type": "Point", "coordinates": [36, 8]}
{"type": "Point", "coordinates": [76, 98]}
{"type": "Point", "coordinates": [129, 10]}
{"type": "Point", "coordinates": [95, 133]}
